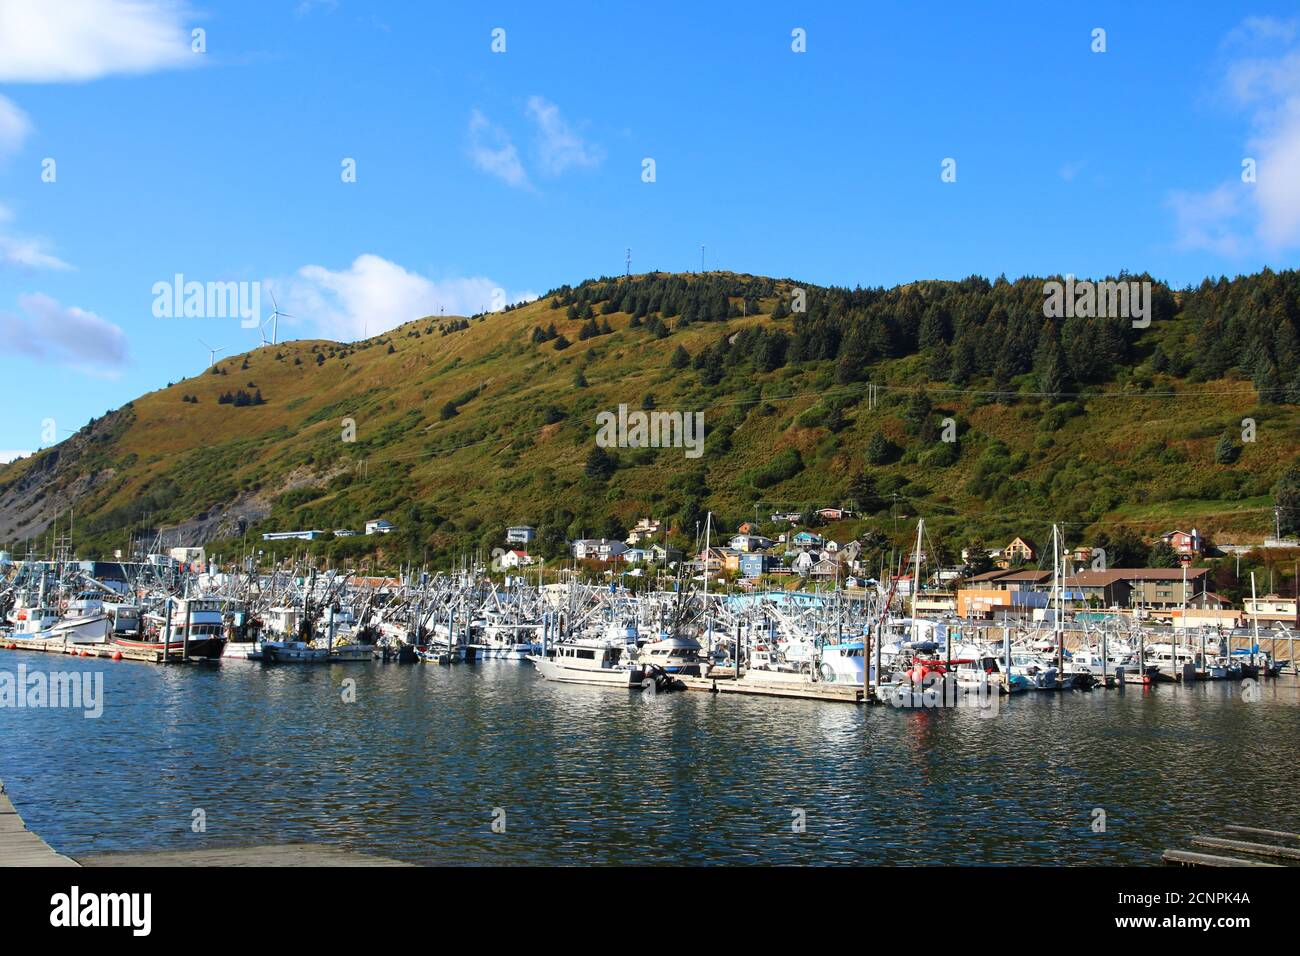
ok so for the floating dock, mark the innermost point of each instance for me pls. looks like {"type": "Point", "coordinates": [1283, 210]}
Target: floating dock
{"type": "Point", "coordinates": [1282, 846]}
{"type": "Point", "coordinates": [108, 651]}
{"type": "Point", "coordinates": [758, 687]}
{"type": "Point", "coordinates": [19, 846]}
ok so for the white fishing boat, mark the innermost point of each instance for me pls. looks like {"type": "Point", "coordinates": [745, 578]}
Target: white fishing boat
{"type": "Point", "coordinates": [30, 617]}
{"type": "Point", "coordinates": [988, 673]}
{"type": "Point", "coordinates": [1169, 661]}
{"type": "Point", "coordinates": [843, 663]}
{"type": "Point", "coordinates": [591, 661]}
{"type": "Point", "coordinates": [672, 655]}
{"type": "Point", "coordinates": [196, 630]}
{"type": "Point", "coordinates": [509, 642]}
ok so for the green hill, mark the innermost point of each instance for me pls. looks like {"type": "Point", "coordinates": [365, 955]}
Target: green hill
{"type": "Point", "coordinates": [464, 426]}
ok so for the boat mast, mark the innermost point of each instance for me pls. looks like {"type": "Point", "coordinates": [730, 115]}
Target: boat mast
{"type": "Point", "coordinates": [708, 618]}
{"type": "Point", "coordinates": [916, 576]}
{"type": "Point", "coordinates": [1058, 588]}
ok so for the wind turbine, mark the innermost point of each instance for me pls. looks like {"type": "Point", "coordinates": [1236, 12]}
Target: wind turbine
{"type": "Point", "coordinates": [212, 353]}
{"type": "Point", "coordinates": [274, 319]}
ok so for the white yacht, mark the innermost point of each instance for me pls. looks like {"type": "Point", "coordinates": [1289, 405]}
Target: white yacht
{"type": "Point", "coordinates": [591, 661]}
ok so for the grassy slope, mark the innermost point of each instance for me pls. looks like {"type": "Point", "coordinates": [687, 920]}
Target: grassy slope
{"type": "Point", "coordinates": [498, 462]}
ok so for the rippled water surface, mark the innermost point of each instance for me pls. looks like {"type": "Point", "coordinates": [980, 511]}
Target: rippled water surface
{"type": "Point", "coordinates": [415, 767]}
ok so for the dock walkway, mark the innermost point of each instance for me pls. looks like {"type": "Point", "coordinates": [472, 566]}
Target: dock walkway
{"type": "Point", "coordinates": [19, 846]}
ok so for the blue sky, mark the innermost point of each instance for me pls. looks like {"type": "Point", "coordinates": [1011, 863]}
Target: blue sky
{"type": "Point", "coordinates": [522, 170]}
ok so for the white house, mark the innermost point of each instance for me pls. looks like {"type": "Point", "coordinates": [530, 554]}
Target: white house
{"type": "Point", "coordinates": [521, 534]}
{"type": "Point", "coordinates": [343, 533]}
{"type": "Point", "coordinates": [645, 529]}
{"type": "Point", "coordinates": [750, 542]}
{"type": "Point", "coordinates": [516, 559]}
{"type": "Point", "coordinates": [292, 535]}
{"type": "Point", "coordinates": [597, 549]}
{"type": "Point", "coordinates": [380, 526]}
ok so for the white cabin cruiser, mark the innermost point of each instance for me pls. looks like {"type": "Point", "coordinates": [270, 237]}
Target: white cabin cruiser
{"type": "Point", "coordinates": [591, 661]}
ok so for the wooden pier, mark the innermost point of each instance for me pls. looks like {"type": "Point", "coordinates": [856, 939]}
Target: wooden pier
{"type": "Point", "coordinates": [758, 687]}
{"type": "Point", "coordinates": [19, 846]}
{"type": "Point", "coordinates": [281, 854]}
{"type": "Point", "coordinates": [1282, 848]}
{"type": "Point", "coordinates": [106, 651]}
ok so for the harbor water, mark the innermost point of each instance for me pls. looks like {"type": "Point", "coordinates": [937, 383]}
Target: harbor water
{"type": "Point", "coordinates": [488, 764]}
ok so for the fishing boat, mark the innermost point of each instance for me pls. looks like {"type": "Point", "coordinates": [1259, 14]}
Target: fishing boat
{"type": "Point", "coordinates": [591, 661]}
{"type": "Point", "coordinates": [30, 617]}
{"type": "Point", "coordinates": [197, 630]}
{"type": "Point", "coordinates": [1040, 674]}
{"type": "Point", "coordinates": [843, 663]}
{"type": "Point", "coordinates": [672, 654]}
{"type": "Point", "coordinates": [293, 652]}
{"type": "Point", "coordinates": [509, 642]}
{"type": "Point", "coordinates": [1169, 662]}
{"type": "Point", "coordinates": [988, 673]}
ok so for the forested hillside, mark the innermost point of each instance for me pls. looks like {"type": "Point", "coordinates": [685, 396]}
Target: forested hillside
{"type": "Point", "coordinates": [959, 401]}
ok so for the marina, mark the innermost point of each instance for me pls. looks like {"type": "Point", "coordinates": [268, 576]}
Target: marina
{"type": "Point", "coordinates": [415, 766]}
{"type": "Point", "coordinates": [314, 716]}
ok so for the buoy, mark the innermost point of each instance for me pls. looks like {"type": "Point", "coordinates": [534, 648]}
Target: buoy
{"type": "Point", "coordinates": [117, 655]}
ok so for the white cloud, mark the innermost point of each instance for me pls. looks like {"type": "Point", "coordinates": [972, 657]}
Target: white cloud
{"type": "Point", "coordinates": [12, 454]}
{"type": "Point", "coordinates": [14, 127]}
{"type": "Point", "coordinates": [1265, 84]}
{"type": "Point", "coordinates": [558, 146]}
{"type": "Point", "coordinates": [1070, 171]}
{"type": "Point", "coordinates": [23, 252]}
{"type": "Point", "coordinates": [1211, 220]}
{"type": "Point", "coordinates": [67, 335]}
{"type": "Point", "coordinates": [1252, 29]}
{"type": "Point", "coordinates": [28, 254]}
{"type": "Point", "coordinates": [374, 295]}
{"type": "Point", "coordinates": [307, 7]}
{"type": "Point", "coordinates": [75, 40]}
{"type": "Point", "coordinates": [492, 151]}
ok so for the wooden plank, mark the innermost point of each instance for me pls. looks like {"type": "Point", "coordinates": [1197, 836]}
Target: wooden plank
{"type": "Point", "coordinates": [1242, 846]}
{"type": "Point", "coordinates": [19, 846]}
{"type": "Point", "coordinates": [290, 854]}
{"type": "Point", "coordinates": [1188, 858]}
{"type": "Point", "coordinates": [757, 687]}
{"type": "Point", "coordinates": [1257, 832]}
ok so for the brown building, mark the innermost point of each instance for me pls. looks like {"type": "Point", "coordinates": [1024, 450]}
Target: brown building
{"type": "Point", "coordinates": [1158, 589]}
